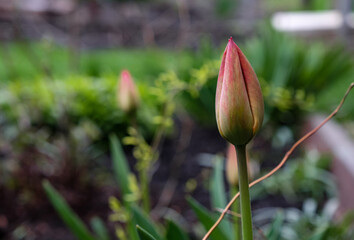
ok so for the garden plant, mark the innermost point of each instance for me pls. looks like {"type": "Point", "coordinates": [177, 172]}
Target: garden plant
{"type": "Point", "coordinates": [122, 119]}
{"type": "Point", "coordinates": [239, 114]}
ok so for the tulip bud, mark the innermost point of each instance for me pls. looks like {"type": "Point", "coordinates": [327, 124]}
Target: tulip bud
{"type": "Point", "coordinates": [239, 101]}
{"type": "Point", "coordinates": [232, 169]}
{"type": "Point", "coordinates": [127, 94]}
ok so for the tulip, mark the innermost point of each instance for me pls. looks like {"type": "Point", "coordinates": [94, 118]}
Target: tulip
{"type": "Point", "coordinates": [239, 101]}
{"type": "Point", "coordinates": [127, 94]}
{"type": "Point", "coordinates": [231, 166]}
{"type": "Point", "coordinates": [232, 169]}
{"type": "Point", "coordinates": [239, 114]}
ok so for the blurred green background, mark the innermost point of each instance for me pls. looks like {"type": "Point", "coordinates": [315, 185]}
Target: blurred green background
{"type": "Point", "coordinates": [59, 71]}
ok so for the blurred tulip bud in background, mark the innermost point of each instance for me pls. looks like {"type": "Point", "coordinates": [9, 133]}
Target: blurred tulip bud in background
{"type": "Point", "coordinates": [239, 102]}
{"type": "Point", "coordinates": [127, 94]}
{"type": "Point", "coordinates": [232, 169]}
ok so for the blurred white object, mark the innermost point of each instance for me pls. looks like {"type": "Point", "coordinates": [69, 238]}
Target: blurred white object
{"type": "Point", "coordinates": [307, 21]}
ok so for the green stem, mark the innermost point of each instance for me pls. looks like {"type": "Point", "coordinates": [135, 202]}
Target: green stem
{"type": "Point", "coordinates": [143, 173]}
{"type": "Point", "coordinates": [236, 209]}
{"type": "Point", "coordinates": [246, 216]}
{"type": "Point", "coordinates": [145, 190]}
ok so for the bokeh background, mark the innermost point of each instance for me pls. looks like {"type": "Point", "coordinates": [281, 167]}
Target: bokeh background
{"type": "Point", "coordinates": [60, 62]}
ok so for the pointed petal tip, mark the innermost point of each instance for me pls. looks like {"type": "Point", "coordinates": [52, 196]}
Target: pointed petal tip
{"type": "Point", "coordinates": [125, 75]}
{"type": "Point", "coordinates": [231, 42]}
{"type": "Point", "coordinates": [125, 72]}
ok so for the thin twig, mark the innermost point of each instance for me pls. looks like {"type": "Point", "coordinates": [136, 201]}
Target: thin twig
{"type": "Point", "coordinates": [309, 134]}
{"type": "Point", "coordinates": [234, 214]}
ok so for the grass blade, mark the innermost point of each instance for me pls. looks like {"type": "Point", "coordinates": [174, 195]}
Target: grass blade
{"type": "Point", "coordinates": [207, 219]}
{"type": "Point", "coordinates": [145, 222]}
{"type": "Point", "coordinates": [120, 165]}
{"type": "Point", "coordinates": [73, 222]}
{"type": "Point", "coordinates": [99, 228]}
{"type": "Point", "coordinates": [143, 234]}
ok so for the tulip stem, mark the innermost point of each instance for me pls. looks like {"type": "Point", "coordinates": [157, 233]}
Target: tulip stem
{"type": "Point", "coordinates": [236, 209]}
{"type": "Point", "coordinates": [246, 216]}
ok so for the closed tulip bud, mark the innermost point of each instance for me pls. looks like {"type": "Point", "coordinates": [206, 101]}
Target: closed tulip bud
{"type": "Point", "coordinates": [239, 102]}
{"type": "Point", "coordinates": [127, 94]}
{"type": "Point", "coordinates": [232, 169]}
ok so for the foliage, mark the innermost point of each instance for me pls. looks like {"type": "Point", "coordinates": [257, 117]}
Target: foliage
{"type": "Point", "coordinates": [226, 8]}
{"type": "Point", "coordinates": [287, 224]}
{"type": "Point", "coordinates": [67, 100]}
{"type": "Point", "coordinates": [71, 220]}
{"type": "Point", "coordinates": [202, 108]}
{"type": "Point", "coordinates": [299, 180]}
{"type": "Point", "coordinates": [143, 234]}
{"type": "Point", "coordinates": [298, 5]}
{"type": "Point", "coordinates": [292, 73]}
{"type": "Point", "coordinates": [325, 100]}
{"type": "Point", "coordinates": [307, 223]}
{"type": "Point", "coordinates": [166, 88]}
{"type": "Point", "coordinates": [81, 112]}
{"type": "Point", "coordinates": [306, 177]}
{"type": "Point", "coordinates": [31, 152]}
{"type": "Point", "coordinates": [27, 61]}
{"type": "Point", "coordinates": [74, 107]}
{"type": "Point", "coordinates": [127, 212]}
{"type": "Point", "coordinates": [59, 104]}
{"type": "Point", "coordinates": [218, 198]}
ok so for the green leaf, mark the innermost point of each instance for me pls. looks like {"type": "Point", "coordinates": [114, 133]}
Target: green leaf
{"type": "Point", "coordinates": [174, 232]}
{"type": "Point", "coordinates": [218, 193]}
{"type": "Point", "coordinates": [143, 234]}
{"type": "Point", "coordinates": [99, 228]}
{"type": "Point", "coordinates": [75, 224]}
{"type": "Point", "coordinates": [145, 222]}
{"type": "Point", "coordinates": [321, 233]}
{"type": "Point", "coordinates": [131, 230]}
{"type": "Point", "coordinates": [274, 232]}
{"type": "Point", "coordinates": [217, 187]}
{"type": "Point", "coordinates": [120, 165]}
{"type": "Point", "coordinates": [207, 219]}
